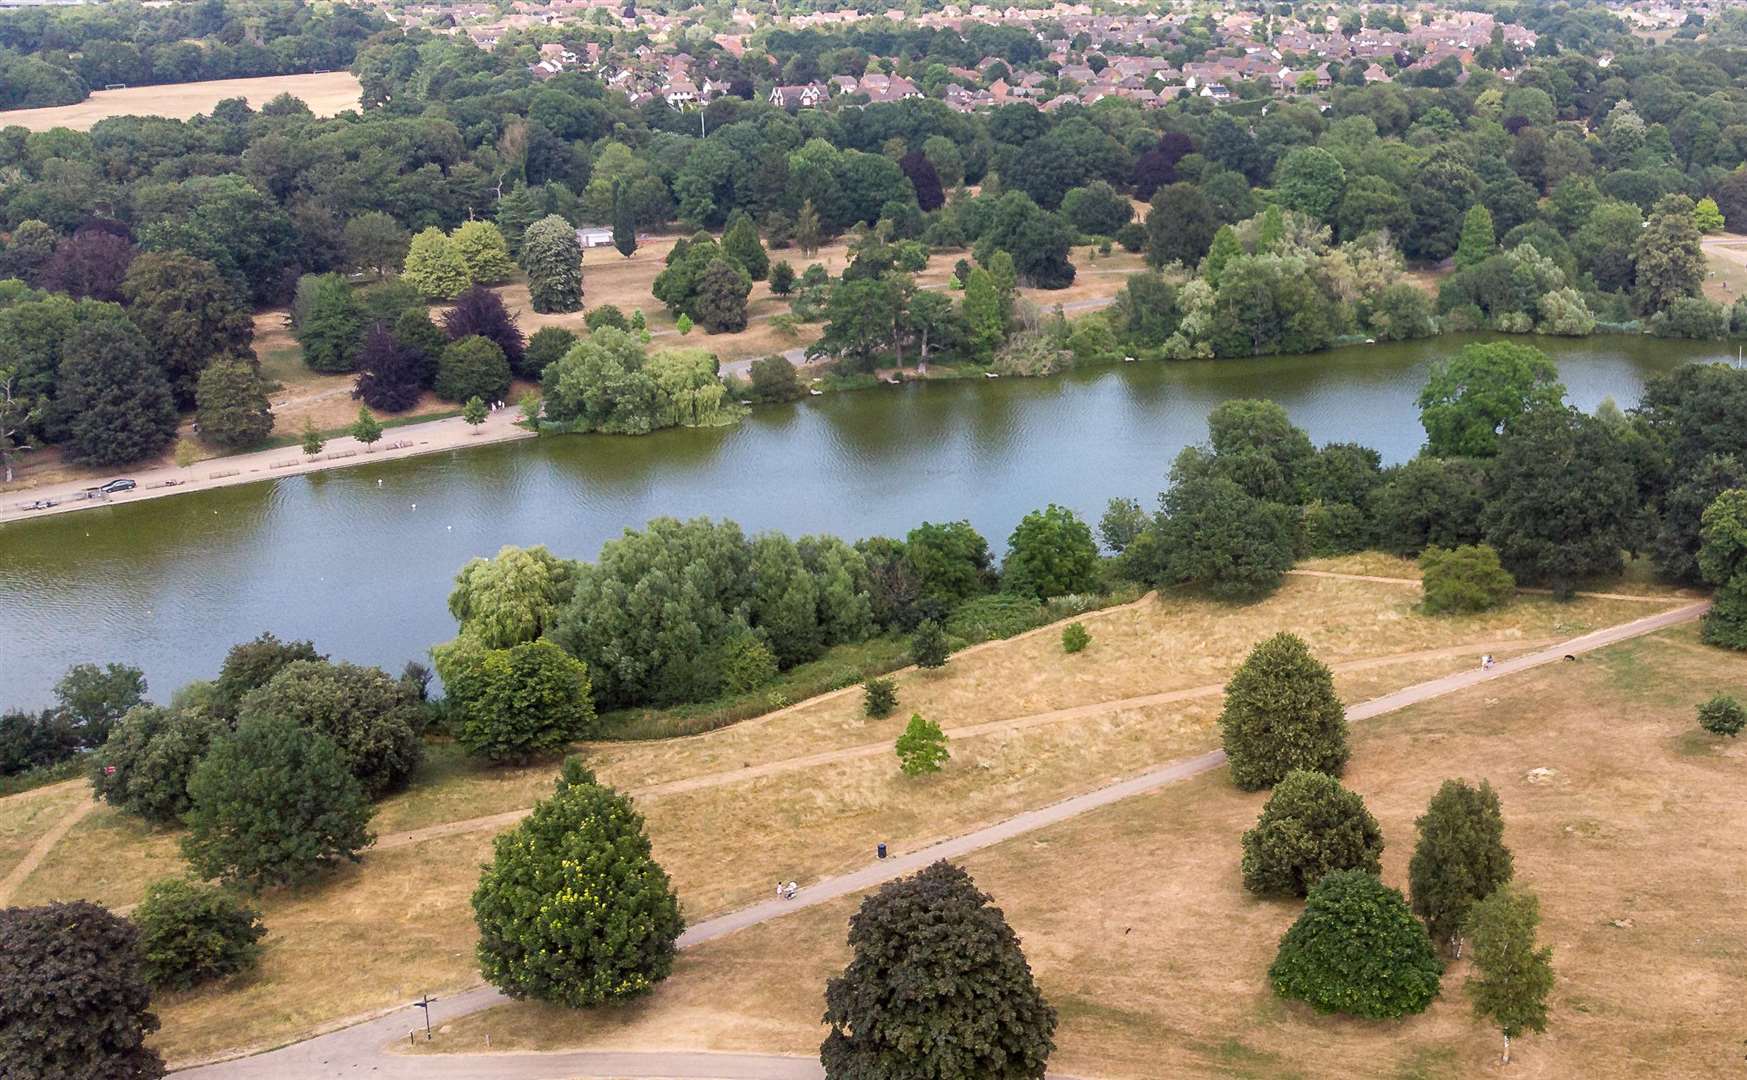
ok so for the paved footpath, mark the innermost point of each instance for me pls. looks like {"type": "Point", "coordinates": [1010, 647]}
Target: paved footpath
{"type": "Point", "coordinates": [363, 1049]}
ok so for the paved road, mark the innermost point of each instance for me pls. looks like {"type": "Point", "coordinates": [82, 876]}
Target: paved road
{"type": "Point", "coordinates": [158, 481]}
{"type": "Point", "coordinates": [359, 1050]}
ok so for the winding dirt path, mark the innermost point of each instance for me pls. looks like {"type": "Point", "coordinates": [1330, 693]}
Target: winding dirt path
{"type": "Point", "coordinates": [39, 850]}
{"type": "Point", "coordinates": [362, 1049]}
{"type": "Point", "coordinates": [884, 747]}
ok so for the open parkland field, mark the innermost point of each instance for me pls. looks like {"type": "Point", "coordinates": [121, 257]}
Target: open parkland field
{"type": "Point", "coordinates": [1133, 916]}
{"type": "Point", "coordinates": [326, 93]}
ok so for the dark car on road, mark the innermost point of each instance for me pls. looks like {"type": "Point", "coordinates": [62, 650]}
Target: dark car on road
{"type": "Point", "coordinates": [117, 485]}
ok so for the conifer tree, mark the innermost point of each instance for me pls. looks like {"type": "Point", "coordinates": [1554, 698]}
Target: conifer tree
{"type": "Point", "coordinates": [1460, 857]}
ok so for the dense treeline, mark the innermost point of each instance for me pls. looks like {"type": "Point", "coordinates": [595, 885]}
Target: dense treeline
{"type": "Point", "coordinates": [1571, 198]}
{"type": "Point", "coordinates": [1559, 495]}
{"type": "Point", "coordinates": [58, 55]}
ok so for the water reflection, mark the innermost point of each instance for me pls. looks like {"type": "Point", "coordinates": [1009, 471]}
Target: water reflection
{"type": "Point", "coordinates": [360, 560]}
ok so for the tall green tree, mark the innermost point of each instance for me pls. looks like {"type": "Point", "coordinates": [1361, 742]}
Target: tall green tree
{"type": "Point", "coordinates": [1670, 261]}
{"type": "Point", "coordinates": [1281, 714]}
{"type": "Point", "coordinates": [1460, 857]}
{"type": "Point", "coordinates": [516, 703]}
{"type": "Point", "coordinates": [741, 244]}
{"type": "Point", "coordinates": [1215, 534]}
{"type": "Point", "coordinates": [512, 597]}
{"type": "Point", "coordinates": [1479, 241]}
{"type": "Point", "coordinates": [1722, 558]}
{"type": "Point", "coordinates": [807, 229]}
{"type": "Point", "coordinates": [330, 323]}
{"type": "Point", "coordinates": [936, 986]}
{"type": "Point", "coordinates": [144, 765]}
{"type": "Point", "coordinates": [986, 328]}
{"type": "Point", "coordinates": [624, 224]}
{"type": "Point", "coordinates": [115, 399]}
{"type": "Point", "coordinates": [1514, 977]}
{"type": "Point", "coordinates": [1179, 226]}
{"type": "Point", "coordinates": [1563, 503]}
{"type": "Point", "coordinates": [573, 909]}
{"type": "Point", "coordinates": [434, 267]}
{"type": "Point", "coordinates": [231, 404]}
{"type": "Point", "coordinates": [274, 803]}
{"type": "Point", "coordinates": [189, 312]}
{"type": "Point", "coordinates": [374, 242]}
{"type": "Point", "coordinates": [1467, 401]}
{"type": "Point", "coordinates": [482, 249]}
{"type": "Point", "coordinates": [367, 714]}
{"type": "Point", "coordinates": [921, 747]}
{"type": "Point", "coordinates": [552, 256]}
{"type": "Point", "coordinates": [1050, 553]}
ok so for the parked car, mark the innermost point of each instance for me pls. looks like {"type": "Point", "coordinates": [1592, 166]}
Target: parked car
{"type": "Point", "coordinates": [117, 485]}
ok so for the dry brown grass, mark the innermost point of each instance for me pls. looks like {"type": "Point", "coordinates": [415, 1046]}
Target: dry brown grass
{"type": "Point", "coordinates": [108, 858]}
{"type": "Point", "coordinates": [24, 818]}
{"type": "Point", "coordinates": [723, 839]}
{"type": "Point", "coordinates": [326, 93]}
{"type": "Point", "coordinates": [1140, 933]}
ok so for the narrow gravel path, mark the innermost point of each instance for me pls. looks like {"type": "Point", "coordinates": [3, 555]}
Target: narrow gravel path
{"type": "Point", "coordinates": [362, 1049]}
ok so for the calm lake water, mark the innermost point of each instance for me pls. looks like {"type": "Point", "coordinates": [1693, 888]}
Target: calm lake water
{"type": "Point", "coordinates": [360, 560]}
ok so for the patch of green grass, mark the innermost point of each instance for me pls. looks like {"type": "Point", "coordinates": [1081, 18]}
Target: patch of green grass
{"type": "Point", "coordinates": [31, 779]}
{"type": "Point", "coordinates": [296, 438]}
{"type": "Point", "coordinates": [1429, 1063]}
{"type": "Point", "coordinates": [1696, 743]}
{"type": "Point", "coordinates": [1233, 1057]}
{"type": "Point", "coordinates": [841, 666]}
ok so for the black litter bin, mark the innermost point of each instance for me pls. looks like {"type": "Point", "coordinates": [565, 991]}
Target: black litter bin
{"type": "Point", "coordinates": [882, 850]}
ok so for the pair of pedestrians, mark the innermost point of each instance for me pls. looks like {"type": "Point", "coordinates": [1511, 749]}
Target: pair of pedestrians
{"type": "Point", "coordinates": [786, 892]}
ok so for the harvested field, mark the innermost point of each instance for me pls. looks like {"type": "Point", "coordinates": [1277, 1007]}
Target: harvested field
{"type": "Point", "coordinates": [326, 93]}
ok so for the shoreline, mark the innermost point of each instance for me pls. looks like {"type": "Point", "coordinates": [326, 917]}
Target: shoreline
{"type": "Point", "coordinates": [428, 437]}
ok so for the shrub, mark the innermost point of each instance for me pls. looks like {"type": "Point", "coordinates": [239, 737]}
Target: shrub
{"type": "Point", "coordinates": [1467, 578]}
{"type": "Point", "coordinates": [274, 804]}
{"type": "Point", "coordinates": [573, 909]}
{"type": "Point", "coordinates": [548, 344]}
{"type": "Point", "coordinates": [746, 663]}
{"type": "Point", "coordinates": [144, 766]}
{"type": "Point", "coordinates": [922, 747]}
{"type": "Point", "coordinates": [472, 368]}
{"type": "Point", "coordinates": [928, 645]}
{"type": "Point", "coordinates": [1691, 317]}
{"type": "Point", "coordinates": [367, 714]}
{"type": "Point", "coordinates": [879, 697]}
{"type": "Point", "coordinates": [1281, 714]}
{"type": "Point", "coordinates": [73, 1003]}
{"type": "Point", "coordinates": [1075, 638]}
{"type": "Point", "coordinates": [606, 315]}
{"type": "Point", "coordinates": [936, 986]}
{"type": "Point", "coordinates": [1132, 237]}
{"type": "Point", "coordinates": [191, 933]}
{"type": "Point", "coordinates": [1722, 715]}
{"type": "Point", "coordinates": [774, 379]}
{"type": "Point", "coordinates": [782, 278]}
{"type": "Point", "coordinates": [998, 615]}
{"type": "Point", "coordinates": [1310, 826]}
{"type": "Point", "coordinates": [520, 702]}
{"type": "Point", "coordinates": [1357, 950]}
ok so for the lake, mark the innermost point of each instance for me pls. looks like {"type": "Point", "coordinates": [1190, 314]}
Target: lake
{"type": "Point", "coordinates": [361, 559]}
